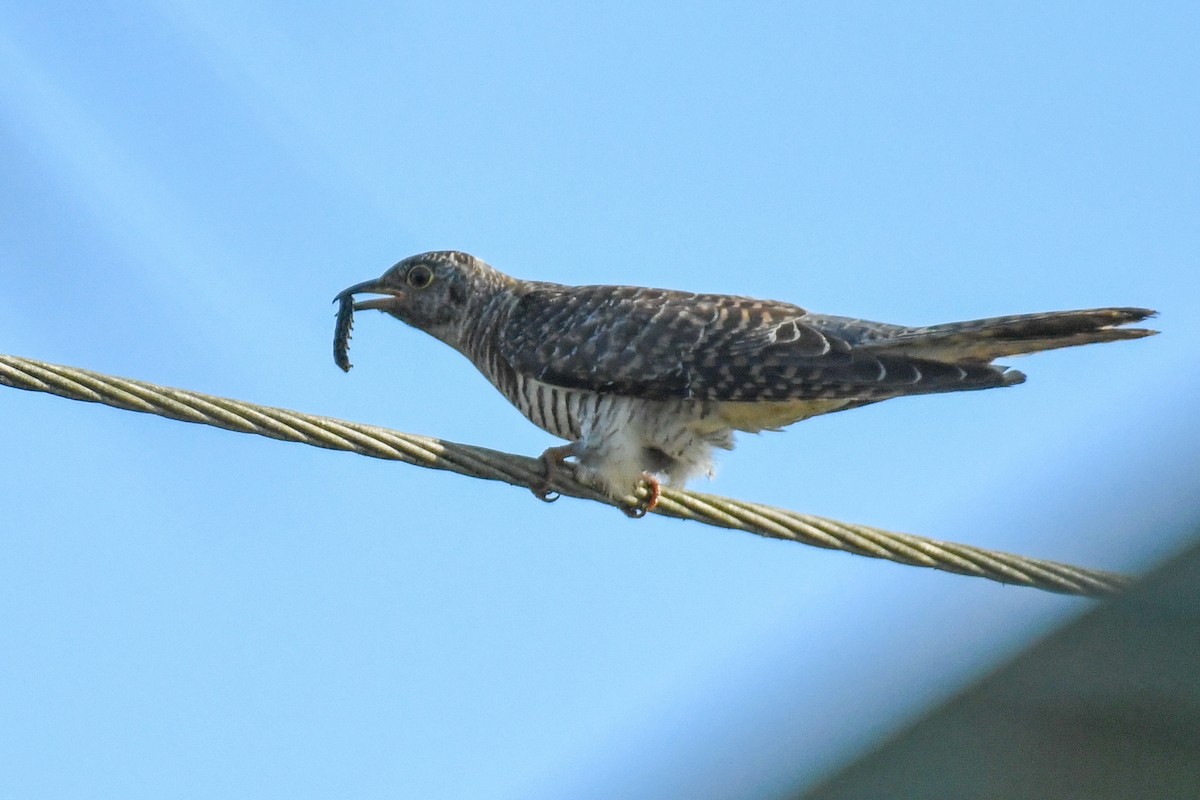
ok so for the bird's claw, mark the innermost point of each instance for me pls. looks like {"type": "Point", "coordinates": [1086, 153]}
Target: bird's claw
{"type": "Point", "coordinates": [553, 462]}
{"type": "Point", "coordinates": [544, 493]}
{"type": "Point", "coordinates": [648, 503]}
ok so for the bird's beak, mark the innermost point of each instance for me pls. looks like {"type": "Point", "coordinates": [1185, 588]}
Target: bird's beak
{"type": "Point", "coordinates": [377, 286]}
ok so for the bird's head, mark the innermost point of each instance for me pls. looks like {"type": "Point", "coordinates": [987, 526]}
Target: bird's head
{"type": "Point", "coordinates": [436, 292]}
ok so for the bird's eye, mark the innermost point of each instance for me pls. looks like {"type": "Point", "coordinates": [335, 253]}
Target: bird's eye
{"type": "Point", "coordinates": [420, 276]}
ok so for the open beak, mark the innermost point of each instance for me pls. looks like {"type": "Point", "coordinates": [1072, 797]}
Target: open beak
{"type": "Point", "coordinates": [391, 299]}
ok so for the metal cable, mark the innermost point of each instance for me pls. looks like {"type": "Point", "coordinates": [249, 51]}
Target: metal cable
{"type": "Point", "coordinates": [480, 462]}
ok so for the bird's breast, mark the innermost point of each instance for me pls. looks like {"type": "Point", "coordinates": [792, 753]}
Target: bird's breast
{"type": "Point", "coordinates": [562, 412]}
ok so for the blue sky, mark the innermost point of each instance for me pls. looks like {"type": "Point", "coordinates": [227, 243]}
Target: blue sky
{"type": "Point", "coordinates": [190, 612]}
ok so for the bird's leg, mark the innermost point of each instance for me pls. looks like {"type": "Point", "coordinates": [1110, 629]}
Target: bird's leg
{"type": "Point", "coordinates": [553, 462]}
{"type": "Point", "coordinates": [646, 504]}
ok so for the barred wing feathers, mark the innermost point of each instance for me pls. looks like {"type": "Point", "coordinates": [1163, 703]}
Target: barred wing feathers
{"type": "Point", "coordinates": [660, 344]}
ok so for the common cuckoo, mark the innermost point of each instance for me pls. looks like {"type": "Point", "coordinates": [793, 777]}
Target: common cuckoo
{"type": "Point", "coordinates": [645, 383]}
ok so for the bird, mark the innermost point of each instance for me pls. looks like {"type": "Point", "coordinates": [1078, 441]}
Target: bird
{"type": "Point", "coordinates": [646, 384]}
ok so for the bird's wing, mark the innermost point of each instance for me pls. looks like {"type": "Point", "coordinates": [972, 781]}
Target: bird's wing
{"type": "Point", "coordinates": [661, 344]}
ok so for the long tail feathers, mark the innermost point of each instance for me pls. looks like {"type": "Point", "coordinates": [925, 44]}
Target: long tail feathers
{"type": "Point", "coordinates": [997, 337]}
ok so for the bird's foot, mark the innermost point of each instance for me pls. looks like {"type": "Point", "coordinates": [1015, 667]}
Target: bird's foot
{"type": "Point", "coordinates": [645, 504]}
{"type": "Point", "coordinates": [554, 461]}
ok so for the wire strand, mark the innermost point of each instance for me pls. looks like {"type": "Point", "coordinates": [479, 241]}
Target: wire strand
{"type": "Point", "coordinates": [480, 462]}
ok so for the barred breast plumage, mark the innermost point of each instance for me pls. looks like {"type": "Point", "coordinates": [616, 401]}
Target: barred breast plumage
{"type": "Point", "coordinates": [645, 382]}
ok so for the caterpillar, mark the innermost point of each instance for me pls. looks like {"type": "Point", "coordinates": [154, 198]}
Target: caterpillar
{"type": "Point", "coordinates": [341, 332]}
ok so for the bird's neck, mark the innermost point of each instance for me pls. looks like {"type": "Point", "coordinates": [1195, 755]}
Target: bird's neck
{"type": "Point", "coordinates": [483, 316]}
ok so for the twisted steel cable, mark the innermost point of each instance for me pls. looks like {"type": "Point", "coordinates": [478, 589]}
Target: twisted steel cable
{"type": "Point", "coordinates": [480, 462]}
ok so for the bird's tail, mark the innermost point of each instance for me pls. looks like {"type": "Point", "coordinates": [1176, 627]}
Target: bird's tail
{"type": "Point", "coordinates": [997, 337]}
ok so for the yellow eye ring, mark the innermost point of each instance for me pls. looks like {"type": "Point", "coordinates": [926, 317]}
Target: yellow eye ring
{"type": "Point", "coordinates": [419, 276]}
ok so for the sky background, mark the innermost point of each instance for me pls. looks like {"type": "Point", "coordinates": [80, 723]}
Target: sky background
{"type": "Point", "coordinates": [189, 612]}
